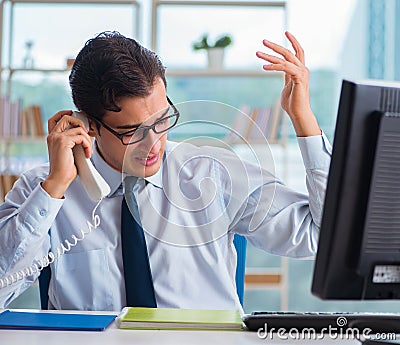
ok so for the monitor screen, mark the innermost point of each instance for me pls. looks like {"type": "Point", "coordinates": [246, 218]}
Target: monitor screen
{"type": "Point", "coordinates": [359, 246]}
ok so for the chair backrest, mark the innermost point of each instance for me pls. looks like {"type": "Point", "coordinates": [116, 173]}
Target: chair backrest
{"type": "Point", "coordinates": [240, 243]}
{"type": "Point", "coordinates": [44, 281]}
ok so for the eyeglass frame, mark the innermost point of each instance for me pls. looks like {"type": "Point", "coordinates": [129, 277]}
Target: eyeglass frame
{"type": "Point", "coordinates": [145, 129]}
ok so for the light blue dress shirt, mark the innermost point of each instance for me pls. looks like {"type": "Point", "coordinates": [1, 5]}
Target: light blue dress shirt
{"type": "Point", "coordinates": [190, 210]}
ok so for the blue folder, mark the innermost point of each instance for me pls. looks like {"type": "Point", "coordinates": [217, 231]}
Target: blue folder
{"type": "Point", "coordinates": [54, 321]}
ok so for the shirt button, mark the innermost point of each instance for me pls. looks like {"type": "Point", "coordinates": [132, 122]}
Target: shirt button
{"type": "Point", "coordinates": [42, 212]}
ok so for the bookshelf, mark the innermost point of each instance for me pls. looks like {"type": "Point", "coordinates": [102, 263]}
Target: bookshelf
{"type": "Point", "coordinates": [22, 141]}
{"type": "Point", "coordinates": [18, 154]}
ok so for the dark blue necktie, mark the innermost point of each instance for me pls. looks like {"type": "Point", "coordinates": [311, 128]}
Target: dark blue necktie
{"type": "Point", "coordinates": [138, 280]}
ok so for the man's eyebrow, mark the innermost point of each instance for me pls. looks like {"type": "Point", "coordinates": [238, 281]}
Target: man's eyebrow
{"type": "Point", "coordinates": [128, 126]}
{"type": "Point", "coordinates": [135, 126]}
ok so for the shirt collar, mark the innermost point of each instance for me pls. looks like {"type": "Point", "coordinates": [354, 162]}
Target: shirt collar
{"type": "Point", "coordinates": [112, 176]}
{"type": "Point", "coordinates": [156, 179]}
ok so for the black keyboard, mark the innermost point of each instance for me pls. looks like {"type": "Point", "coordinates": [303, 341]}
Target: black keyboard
{"type": "Point", "coordinates": [323, 321]}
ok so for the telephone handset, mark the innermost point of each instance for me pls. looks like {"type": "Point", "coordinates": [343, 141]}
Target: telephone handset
{"type": "Point", "coordinates": [95, 186]}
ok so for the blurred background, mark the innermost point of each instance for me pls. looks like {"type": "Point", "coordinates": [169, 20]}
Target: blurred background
{"type": "Point", "coordinates": [342, 39]}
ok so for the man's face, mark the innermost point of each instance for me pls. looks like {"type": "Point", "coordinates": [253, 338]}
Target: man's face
{"type": "Point", "coordinates": [142, 159]}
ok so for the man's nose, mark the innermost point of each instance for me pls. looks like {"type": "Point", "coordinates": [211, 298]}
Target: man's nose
{"type": "Point", "coordinates": [151, 142]}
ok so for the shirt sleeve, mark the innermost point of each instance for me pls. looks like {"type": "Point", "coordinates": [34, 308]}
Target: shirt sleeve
{"type": "Point", "coordinates": [280, 220]}
{"type": "Point", "coordinates": [25, 219]}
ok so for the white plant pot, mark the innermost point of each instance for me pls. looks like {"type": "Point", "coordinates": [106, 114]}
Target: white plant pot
{"type": "Point", "coordinates": [215, 58]}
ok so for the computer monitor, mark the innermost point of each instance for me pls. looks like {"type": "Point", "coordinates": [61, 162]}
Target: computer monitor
{"type": "Point", "coordinates": [359, 246]}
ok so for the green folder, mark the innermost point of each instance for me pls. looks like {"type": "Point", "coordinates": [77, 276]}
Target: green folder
{"type": "Point", "coordinates": [179, 319]}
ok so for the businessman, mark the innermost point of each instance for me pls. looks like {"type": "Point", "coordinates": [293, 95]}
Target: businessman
{"type": "Point", "coordinates": [184, 202]}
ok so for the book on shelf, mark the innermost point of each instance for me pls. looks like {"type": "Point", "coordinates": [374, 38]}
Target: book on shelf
{"type": "Point", "coordinates": [6, 183]}
{"type": "Point", "coordinates": [256, 124]}
{"type": "Point", "coordinates": [179, 319]}
{"type": "Point", "coordinates": [276, 120]}
{"type": "Point", "coordinates": [16, 121]}
{"type": "Point", "coordinates": [239, 125]}
{"type": "Point", "coordinates": [10, 117]}
{"type": "Point", "coordinates": [32, 122]}
{"type": "Point", "coordinates": [251, 125]}
{"type": "Point", "coordinates": [260, 124]}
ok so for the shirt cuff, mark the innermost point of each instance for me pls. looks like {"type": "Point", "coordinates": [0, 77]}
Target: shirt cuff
{"type": "Point", "coordinates": [40, 210]}
{"type": "Point", "coordinates": [316, 151]}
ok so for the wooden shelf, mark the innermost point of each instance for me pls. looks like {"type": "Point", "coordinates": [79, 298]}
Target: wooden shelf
{"type": "Point", "coordinates": [281, 3]}
{"type": "Point", "coordinates": [173, 72]}
{"type": "Point", "coordinates": [42, 70]}
{"type": "Point", "coordinates": [96, 2]}
{"type": "Point", "coordinates": [22, 140]}
{"type": "Point", "coordinates": [222, 73]}
{"type": "Point", "coordinates": [261, 278]}
{"type": "Point", "coordinates": [203, 141]}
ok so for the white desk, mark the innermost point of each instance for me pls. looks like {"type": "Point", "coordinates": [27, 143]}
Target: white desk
{"type": "Point", "coordinates": [115, 336]}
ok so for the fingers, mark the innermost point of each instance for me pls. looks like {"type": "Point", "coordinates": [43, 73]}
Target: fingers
{"type": "Point", "coordinates": [296, 46]}
{"type": "Point", "coordinates": [52, 122]}
{"type": "Point", "coordinates": [63, 120]}
{"type": "Point", "coordinates": [292, 65]}
{"type": "Point", "coordinates": [69, 131]}
{"type": "Point", "coordinates": [269, 58]}
{"type": "Point", "coordinates": [83, 139]}
{"type": "Point", "coordinates": [277, 64]}
{"type": "Point", "coordinates": [286, 53]}
{"type": "Point", "coordinates": [296, 59]}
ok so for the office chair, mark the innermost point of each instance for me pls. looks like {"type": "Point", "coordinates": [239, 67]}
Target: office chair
{"type": "Point", "coordinates": [44, 281]}
{"type": "Point", "coordinates": [240, 243]}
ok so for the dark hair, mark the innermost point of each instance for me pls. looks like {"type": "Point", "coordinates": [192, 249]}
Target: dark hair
{"type": "Point", "coordinates": [111, 66]}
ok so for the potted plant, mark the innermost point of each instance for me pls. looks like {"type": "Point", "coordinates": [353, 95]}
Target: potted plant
{"type": "Point", "coordinates": [215, 51]}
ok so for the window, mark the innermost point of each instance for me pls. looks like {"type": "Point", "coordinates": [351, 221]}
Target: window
{"type": "Point", "coordinates": [70, 25]}
{"type": "Point", "coordinates": [178, 26]}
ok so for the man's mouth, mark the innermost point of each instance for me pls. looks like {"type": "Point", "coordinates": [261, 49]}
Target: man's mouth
{"type": "Point", "coordinates": [148, 160]}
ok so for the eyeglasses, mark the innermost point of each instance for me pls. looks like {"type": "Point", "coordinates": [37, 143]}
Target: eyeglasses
{"type": "Point", "coordinates": [138, 134]}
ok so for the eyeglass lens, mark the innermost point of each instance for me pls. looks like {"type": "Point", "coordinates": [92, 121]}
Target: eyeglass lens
{"type": "Point", "coordinates": [158, 127]}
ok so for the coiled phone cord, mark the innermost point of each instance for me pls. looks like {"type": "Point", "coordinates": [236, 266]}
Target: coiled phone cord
{"type": "Point", "coordinates": [63, 248]}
